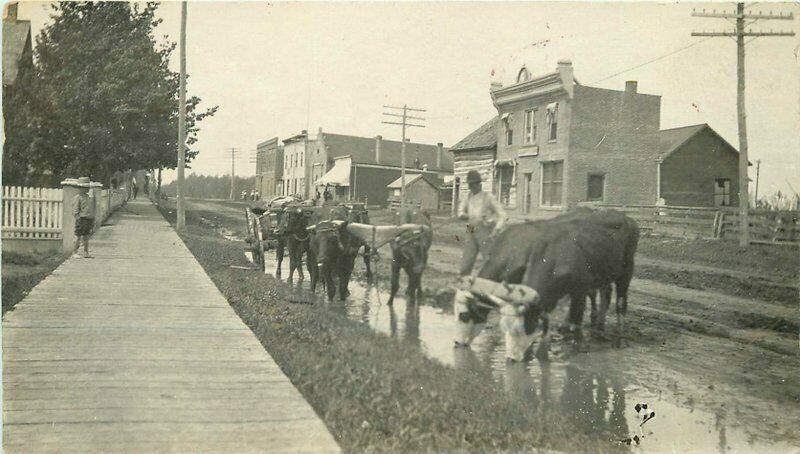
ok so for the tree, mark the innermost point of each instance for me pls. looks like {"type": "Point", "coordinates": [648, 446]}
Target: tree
{"type": "Point", "coordinates": [103, 99]}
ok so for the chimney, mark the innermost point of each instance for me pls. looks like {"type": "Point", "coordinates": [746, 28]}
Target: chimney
{"type": "Point", "coordinates": [378, 140]}
{"type": "Point", "coordinates": [439, 151]}
{"type": "Point", "coordinates": [631, 86]}
{"type": "Point", "coordinates": [11, 11]}
{"type": "Point", "coordinates": [567, 77]}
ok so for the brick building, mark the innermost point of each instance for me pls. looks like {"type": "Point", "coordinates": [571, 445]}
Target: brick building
{"type": "Point", "coordinates": [296, 149]}
{"type": "Point", "coordinates": [360, 168]}
{"type": "Point", "coordinates": [556, 143]}
{"type": "Point", "coordinates": [269, 168]}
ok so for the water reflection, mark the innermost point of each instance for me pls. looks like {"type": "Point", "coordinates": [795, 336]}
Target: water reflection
{"type": "Point", "coordinates": [594, 392]}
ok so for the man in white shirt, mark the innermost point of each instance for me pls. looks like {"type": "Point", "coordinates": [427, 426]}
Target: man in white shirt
{"type": "Point", "coordinates": [485, 216]}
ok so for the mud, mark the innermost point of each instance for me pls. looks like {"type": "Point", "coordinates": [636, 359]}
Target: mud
{"type": "Point", "coordinates": [720, 371]}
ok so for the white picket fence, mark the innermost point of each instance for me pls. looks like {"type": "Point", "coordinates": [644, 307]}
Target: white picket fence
{"type": "Point", "coordinates": [32, 213]}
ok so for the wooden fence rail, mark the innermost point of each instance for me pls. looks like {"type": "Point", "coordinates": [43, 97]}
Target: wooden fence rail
{"type": "Point", "coordinates": [32, 213]}
{"type": "Point", "coordinates": [771, 227]}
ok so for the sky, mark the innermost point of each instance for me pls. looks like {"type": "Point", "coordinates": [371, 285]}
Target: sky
{"type": "Point", "coordinates": [277, 68]}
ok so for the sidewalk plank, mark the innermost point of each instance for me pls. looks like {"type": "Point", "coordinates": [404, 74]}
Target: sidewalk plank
{"type": "Point", "coordinates": [145, 355]}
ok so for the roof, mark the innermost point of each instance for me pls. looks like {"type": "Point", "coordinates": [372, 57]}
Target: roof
{"type": "Point", "coordinates": [481, 138]}
{"type": "Point", "coordinates": [362, 151]}
{"type": "Point", "coordinates": [670, 140]}
{"type": "Point", "coordinates": [412, 178]}
{"type": "Point", "coordinates": [16, 40]}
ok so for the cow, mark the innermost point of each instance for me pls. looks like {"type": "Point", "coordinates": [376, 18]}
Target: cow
{"type": "Point", "coordinates": [572, 241]}
{"type": "Point", "coordinates": [295, 237]}
{"type": "Point", "coordinates": [507, 258]}
{"type": "Point", "coordinates": [332, 252]}
{"type": "Point", "coordinates": [574, 259]}
{"type": "Point", "coordinates": [410, 253]}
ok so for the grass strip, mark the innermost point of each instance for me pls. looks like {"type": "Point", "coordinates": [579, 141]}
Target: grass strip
{"type": "Point", "coordinates": [375, 393]}
{"type": "Point", "coordinates": [22, 271]}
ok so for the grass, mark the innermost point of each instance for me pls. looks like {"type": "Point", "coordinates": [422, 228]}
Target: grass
{"type": "Point", "coordinates": [22, 271]}
{"type": "Point", "coordinates": [373, 392]}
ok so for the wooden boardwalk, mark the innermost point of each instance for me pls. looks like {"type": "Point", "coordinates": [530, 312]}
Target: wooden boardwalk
{"type": "Point", "coordinates": [135, 350]}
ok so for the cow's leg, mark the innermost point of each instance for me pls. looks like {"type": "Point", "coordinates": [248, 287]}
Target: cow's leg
{"type": "Point", "coordinates": [542, 353]}
{"type": "Point", "coordinates": [345, 271]}
{"type": "Point", "coordinates": [577, 307]}
{"type": "Point", "coordinates": [291, 246]}
{"type": "Point", "coordinates": [330, 286]}
{"type": "Point", "coordinates": [279, 250]}
{"type": "Point", "coordinates": [301, 248]}
{"type": "Point", "coordinates": [593, 314]}
{"type": "Point", "coordinates": [413, 279]}
{"type": "Point", "coordinates": [419, 286]}
{"type": "Point", "coordinates": [605, 301]}
{"type": "Point", "coordinates": [313, 272]}
{"type": "Point", "coordinates": [367, 252]}
{"type": "Point", "coordinates": [518, 336]}
{"type": "Point", "coordinates": [622, 304]}
{"type": "Point", "coordinates": [469, 323]}
{"type": "Point", "coordinates": [395, 281]}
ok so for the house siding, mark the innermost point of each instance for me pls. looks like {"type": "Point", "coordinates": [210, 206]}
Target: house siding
{"type": "Point", "coordinates": [422, 192]}
{"type": "Point", "coordinates": [613, 133]}
{"type": "Point", "coordinates": [688, 174]}
{"type": "Point", "coordinates": [369, 183]}
{"type": "Point", "coordinates": [481, 160]}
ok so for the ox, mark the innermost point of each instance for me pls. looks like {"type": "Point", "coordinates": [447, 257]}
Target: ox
{"type": "Point", "coordinates": [573, 255]}
{"type": "Point", "coordinates": [295, 237]}
{"type": "Point", "coordinates": [410, 253]}
{"type": "Point", "coordinates": [332, 253]}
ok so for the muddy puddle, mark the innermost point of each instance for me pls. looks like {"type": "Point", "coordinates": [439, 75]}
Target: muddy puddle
{"type": "Point", "coordinates": [597, 390]}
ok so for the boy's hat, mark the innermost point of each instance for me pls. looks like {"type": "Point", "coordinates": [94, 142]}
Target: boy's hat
{"type": "Point", "coordinates": [83, 182]}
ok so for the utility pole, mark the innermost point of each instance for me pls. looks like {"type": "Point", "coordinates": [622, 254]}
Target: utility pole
{"type": "Point", "coordinates": [180, 222]}
{"type": "Point", "coordinates": [405, 117]}
{"type": "Point", "coordinates": [740, 33]}
{"type": "Point", "coordinates": [758, 172]}
{"type": "Point", "coordinates": [233, 152]}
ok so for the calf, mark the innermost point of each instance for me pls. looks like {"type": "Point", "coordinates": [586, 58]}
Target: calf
{"type": "Point", "coordinates": [573, 259]}
{"type": "Point", "coordinates": [410, 253]}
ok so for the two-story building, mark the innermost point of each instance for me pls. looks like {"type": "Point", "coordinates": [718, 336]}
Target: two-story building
{"type": "Point", "coordinates": [556, 143]}
{"type": "Point", "coordinates": [269, 168]}
{"type": "Point", "coordinates": [295, 172]}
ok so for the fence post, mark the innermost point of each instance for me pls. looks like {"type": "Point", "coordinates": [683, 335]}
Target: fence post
{"type": "Point", "coordinates": [68, 192]}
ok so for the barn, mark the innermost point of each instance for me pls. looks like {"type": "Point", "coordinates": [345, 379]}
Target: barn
{"type": "Point", "coordinates": [421, 188]}
{"type": "Point", "coordinates": [698, 168]}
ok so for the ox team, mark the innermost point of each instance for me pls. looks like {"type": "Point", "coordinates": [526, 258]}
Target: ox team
{"type": "Point", "coordinates": [530, 266]}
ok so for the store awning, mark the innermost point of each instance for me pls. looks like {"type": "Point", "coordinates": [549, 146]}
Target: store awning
{"type": "Point", "coordinates": [339, 175]}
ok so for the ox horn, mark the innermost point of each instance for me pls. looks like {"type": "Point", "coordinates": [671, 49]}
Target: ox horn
{"type": "Point", "coordinates": [311, 228]}
{"type": "Point", "coordinates": [337, 223]}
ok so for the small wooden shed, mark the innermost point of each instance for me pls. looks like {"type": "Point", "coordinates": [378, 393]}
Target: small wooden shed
{"type": "Point", "coordinates": [421, 189]}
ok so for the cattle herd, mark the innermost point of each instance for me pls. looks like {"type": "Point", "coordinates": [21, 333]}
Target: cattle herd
{"type": "Point", "coordinates": [529, 267]}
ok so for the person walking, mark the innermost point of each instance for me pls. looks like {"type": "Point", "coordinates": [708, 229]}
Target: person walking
{"type": "Point", "coordinates": [485, 217]}
{"type": "Point", "coordinates": [327, 194]}
{"type": "Point", "coordinates": [83, 208]}
{"type": "Point", "coordinates": [135, 189]}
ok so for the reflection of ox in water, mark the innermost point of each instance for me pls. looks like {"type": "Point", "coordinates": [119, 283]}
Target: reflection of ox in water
{"type": "Point", "coordinates": [573, 255]}
{"type": "Point", "coordinates": [410, 253]}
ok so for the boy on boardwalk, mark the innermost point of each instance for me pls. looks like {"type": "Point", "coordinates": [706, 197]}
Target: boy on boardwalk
{"type": "Point", "coordinates": [84, 210]}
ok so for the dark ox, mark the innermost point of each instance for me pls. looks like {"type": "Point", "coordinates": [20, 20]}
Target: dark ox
{"type": "Point", "coordinates": [295, 237]}
{"type": "Point", "coordinates": [332, 252]}
{"type": "Point", "coordinates": [573, 255]}
{"type": "Point", "coordinates": [410, 253]}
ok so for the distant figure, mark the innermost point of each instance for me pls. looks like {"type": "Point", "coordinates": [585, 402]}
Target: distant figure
{"type": "Point", "coordinates": [134, 189]}
{"type": "Point", "coordinates": [317, 196]}
{"type": "Point", "coordinates": [83, 209]}
{"type": "Point", "coordinates": [485, 216]}
{"type": "Point", "coordinates": [257, 196]}
{"type": "Point", "coordinates": [416, 162]}
{"type": "Point", "coordinates": [327, 195]}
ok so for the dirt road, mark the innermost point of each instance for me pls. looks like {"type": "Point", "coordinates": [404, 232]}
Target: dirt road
{"type": "Point", "coordinates": [722, 369]}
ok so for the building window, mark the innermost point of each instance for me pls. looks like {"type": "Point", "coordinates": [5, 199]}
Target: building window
{"type": "Point", "coordinates": [509, 135]}
{"type": "Point", "coordinates": [524, 75]}
{"type": "Point", "coordinates": [552, 179]}
{"type": "Point", "coordinates": [596, 187]}
{"type": "Point", "coordinates": [722, 192]}
{"type": "Point", "coordinates": [552, 121]}
{"type": "Point", "coordinates": [530, 135]}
